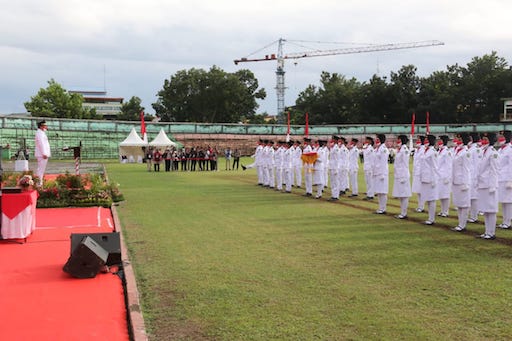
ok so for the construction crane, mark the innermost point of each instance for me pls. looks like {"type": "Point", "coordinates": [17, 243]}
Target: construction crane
{"type": "Point", "coordinates": [280, 57]}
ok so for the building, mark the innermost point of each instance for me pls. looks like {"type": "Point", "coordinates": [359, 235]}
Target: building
{"type": "Point", "coordinates": [108, 107]}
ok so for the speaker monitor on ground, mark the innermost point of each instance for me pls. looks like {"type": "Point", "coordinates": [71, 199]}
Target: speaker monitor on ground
{"type": "Point", "coordinates": [86, 259]}
{"type": "Point", "coordinates": [109, 241]}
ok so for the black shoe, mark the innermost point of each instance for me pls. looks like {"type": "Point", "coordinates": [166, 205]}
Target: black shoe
{"type": "Point", "coordinates": [380, 212]}
{"type": "Point", "coordinates": [342, 192]}
{"type": "Point", "coordinates": [333, 199]}
{"type": "Point", "coordinates": [243, 167]}
{"type": "Point", "coordinates": [458, 229]}
{"type": "Point", "coordinates": [368, 198]}
{"type": "Point", "coordinates": [353, 195]}
{"type": "Point", "coordinates": [307, 195]}
{"type": "Point", "coordinates": [400, 216]}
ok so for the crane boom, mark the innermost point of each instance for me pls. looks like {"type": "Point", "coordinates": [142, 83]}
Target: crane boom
{"type": "Point", "coordinates": [280, 57]}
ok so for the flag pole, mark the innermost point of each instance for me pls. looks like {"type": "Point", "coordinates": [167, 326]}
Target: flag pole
{"type": "Point", "coordinates": [412, 130]}
{"type": "Point", "coordinates": [306, 129]}
{"type": "Point", "coordinates": [288, 130]}
{"type": "Point", "coordinates": [428, 123]}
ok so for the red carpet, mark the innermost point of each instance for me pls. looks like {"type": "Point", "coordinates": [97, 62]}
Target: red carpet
{"type": "Point", "coordinates": [39, 301]}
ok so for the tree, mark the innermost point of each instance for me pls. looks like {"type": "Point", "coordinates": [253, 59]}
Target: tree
{"type": "Point", "coordinates": [214, 96]}
{"type": "Point", "coordinates": [375, 100]}
{"type": "Point", "coordinates": [484, 82]}
{"type": "Point", "coordinates": [335, 101]}
{"type": "Point", "coordinates": [130, 111]}
{"type": "Point", "coordinates": [55, 101]}
{"type": "Point", "coordinates": [405, 85]}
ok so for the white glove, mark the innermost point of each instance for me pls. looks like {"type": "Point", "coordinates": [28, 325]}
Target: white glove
{"type": "Point", "coordinates": [464, 188]}
{"type": "Point", "coordinates": [433, 184]}
{"type": "Point", "coordinates": [492, 189]}
{"type": "Point", "coordinates": [382, 178]}
{"type": "Point", "coordinates": [508, 185]}
{"type": "Point", "coordinates": [446, 181]}
{"type": "Point", "coordinates": [402, 181]}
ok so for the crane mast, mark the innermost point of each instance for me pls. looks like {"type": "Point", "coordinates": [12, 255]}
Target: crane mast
{"type": "Point", "coordinates": [280, 58]}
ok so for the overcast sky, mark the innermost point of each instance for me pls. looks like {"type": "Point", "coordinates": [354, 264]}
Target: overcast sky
{"type": "Point", "coordinates": [131, 47]}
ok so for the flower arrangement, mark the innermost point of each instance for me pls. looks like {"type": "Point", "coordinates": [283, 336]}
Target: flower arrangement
{"type": "Point", "coordinates": [26, 181]}
{"type": "Point", "coordinates": [68, 189]}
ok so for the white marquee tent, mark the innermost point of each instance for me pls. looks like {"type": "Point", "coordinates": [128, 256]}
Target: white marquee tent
{"type": "Point", "coordinates": [130, 150]}
{"type": "Point", "coordinates": [162, 141]}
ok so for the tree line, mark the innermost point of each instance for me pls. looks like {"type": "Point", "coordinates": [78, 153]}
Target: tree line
{"type": "Point", "coordinates": [460, 94]}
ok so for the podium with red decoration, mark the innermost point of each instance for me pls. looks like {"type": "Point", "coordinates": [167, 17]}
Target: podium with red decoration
{"type": "Point", "coordinates": [18, 214]}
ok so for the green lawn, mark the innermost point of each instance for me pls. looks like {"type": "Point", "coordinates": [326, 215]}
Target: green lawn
{"type": "Point", "coordinates": [219, 258]}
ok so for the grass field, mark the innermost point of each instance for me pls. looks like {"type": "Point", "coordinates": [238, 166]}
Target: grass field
{"type": "Point", "coordinates": [219, 258]}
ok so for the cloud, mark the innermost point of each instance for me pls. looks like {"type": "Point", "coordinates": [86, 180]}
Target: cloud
{"type": "Point", "coordinates": [133, 46]}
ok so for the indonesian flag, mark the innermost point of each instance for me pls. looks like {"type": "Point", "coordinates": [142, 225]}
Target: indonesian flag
{"type": "Point", "coordinates": [412, 123]}
{"type": "Point", "coordinates": [412, 130]}
{"type": "Point", "coordinates": [306, 129]}
{"type": "Point", "coordinates": [143, 127]}
{"type": "Point", "coordinates": [288, 131]}
{"type": "Point", "coordinates": [428, 123]}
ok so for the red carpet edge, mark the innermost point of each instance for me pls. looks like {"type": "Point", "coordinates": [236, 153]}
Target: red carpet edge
{"type": "Point", "coordinates": [135, 318]}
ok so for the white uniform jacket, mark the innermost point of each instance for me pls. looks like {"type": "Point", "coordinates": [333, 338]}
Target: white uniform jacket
{"type": "Point", "coordinates": [402, 182]}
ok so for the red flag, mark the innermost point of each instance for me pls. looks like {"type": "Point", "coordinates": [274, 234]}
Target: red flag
{"type": "Point", "coordinates": [306, 130]}
{"type": "Point", "coordinates": [412, 123]}
{"type": "Point", "coordinates": [428, 123]}
{"type": "Point", "coordinates": [142, 125]}
{"type": "Point", "coordinates": [288, 131]}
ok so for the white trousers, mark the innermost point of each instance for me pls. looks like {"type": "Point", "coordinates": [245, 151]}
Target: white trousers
{"type": "Point", "coordinates": [41, 168]}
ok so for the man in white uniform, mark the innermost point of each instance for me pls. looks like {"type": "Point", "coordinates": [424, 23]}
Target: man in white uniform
{"type": "Point", "coordinates": [334, 160]}
{"type": "Point", "coordinates": [296, 164]}
{"type": "Point", "coordinates": [444, 162]}
{"type": "Point", "coordinates": [308, 168]}
{"type": "Point", "coordinates": [476, 156]}
{"type": "Point", "coordinates": [353, 166]}
{"type": "Point", "coordinates": [42, 151]}
{"type": "Point", "coordinates": [429, 177]}
{"type": "Point", "coordinates": [505, 178]}
{"type": "Point", "coordinates": [487, 185]}
{"type": "Point", "coordinates": [367, 166]}
{"type": "Point", "coordinates": [343, 165]}
{"type": "Point", "coordinates": [416, 182]}
{"type": "Point", "coordinates": [461, 180]}
{"type": "Point", "coordinates": [380, 172]}
{"type": "Point", "coordinates": [320, 165]}
{"type": "Point", "coordinates": [402, 182]}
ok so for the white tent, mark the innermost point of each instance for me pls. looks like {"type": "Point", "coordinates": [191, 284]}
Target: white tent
{"type": "Point", "coordinates": [130, 150]}
{"type": "Point", "coordinates": [161, 140]}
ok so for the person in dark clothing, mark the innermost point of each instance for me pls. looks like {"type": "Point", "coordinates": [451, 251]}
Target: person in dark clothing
{"type": "Point", "coordinates": [183, 158]}
{"type": "Point", "coordinates": [200, 156]}
{"type": "Point", "coordinates": [167, 156]}
{"type": "Point", "coordinates": [236, 159]}
{"type": "Point", "coordinates": [193, 159]}
{"type": "Point", "coordinates": [157, 158]}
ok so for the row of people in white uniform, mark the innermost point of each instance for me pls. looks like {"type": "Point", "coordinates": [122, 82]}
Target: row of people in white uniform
{"type": "Point", "coordinates": [476, 174]}
{"type": "Point", "coordinates": [335, 163]}
{"type": "Point", "coordinates": [472, 173]}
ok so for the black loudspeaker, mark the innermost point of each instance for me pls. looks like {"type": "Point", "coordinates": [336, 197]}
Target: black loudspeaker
{"type": "Point", "coordinates": [109, 241]}
{"type": "Point", "coordinates": [86, 259]}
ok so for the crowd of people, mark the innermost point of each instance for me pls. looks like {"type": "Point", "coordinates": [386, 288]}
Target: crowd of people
{"type": "Point", "coordinates": [189, 159]}
{"type": "Point", "coordinates": [470, 171]}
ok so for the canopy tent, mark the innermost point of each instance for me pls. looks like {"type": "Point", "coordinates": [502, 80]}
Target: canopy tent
{"type": "Point", "coordinates": [161, 140]}
{"type": "Point", "coordinates": [131, 149]}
